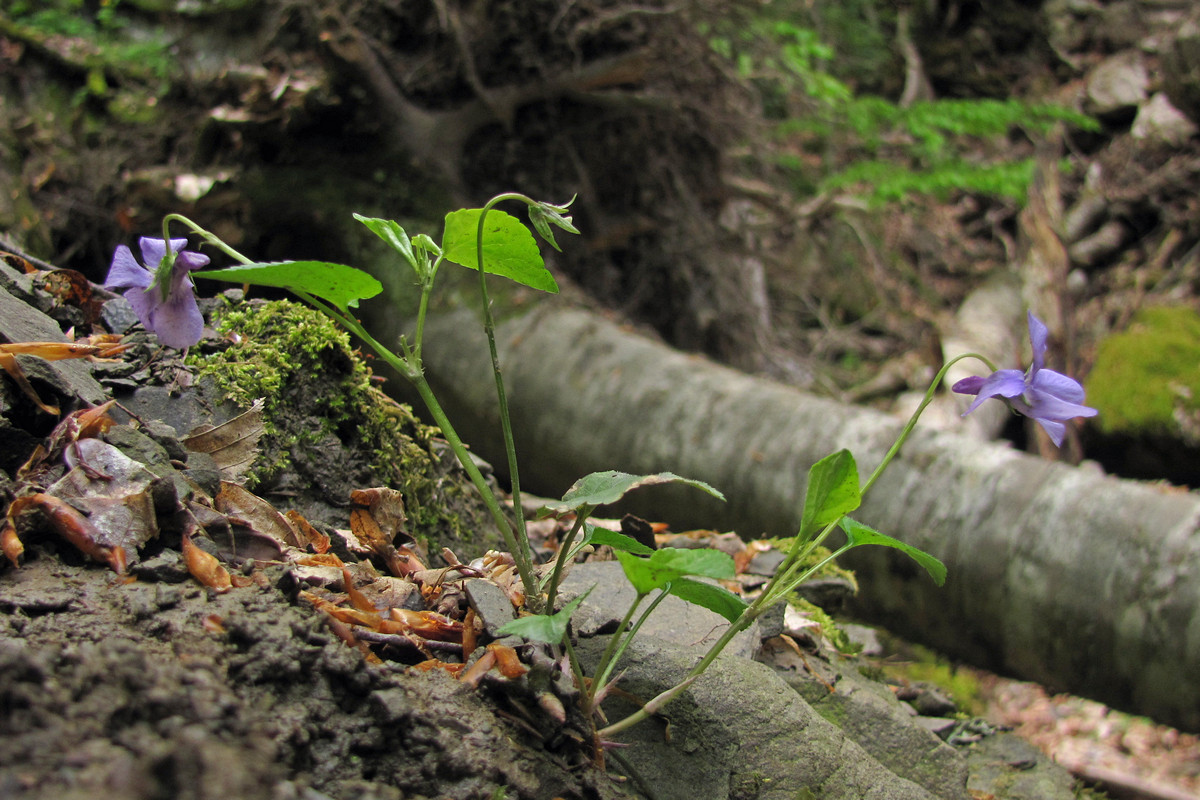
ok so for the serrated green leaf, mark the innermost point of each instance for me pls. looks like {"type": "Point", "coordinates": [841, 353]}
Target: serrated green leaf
{"type": "Point", "coordinates": [601, 488]}
{"type": "Point", "coordinates": [833, 491]}
{"type": "Point", "coordinates": [548, 628]}
{"type": "Point", "coordinates": [509, 249]}
{"type": "Point", "coordinates": [670, 564]}
{"type": "Point", "coordinates": [715, 598]}
{"type": "Point", "coordinates": [859, 534]}
{"type": "Point", "coordinates": [393, 234]}
{"type": "Point", "coordinates": [337, 284]}
{"type": "Point", "coordinates": [619, 541]}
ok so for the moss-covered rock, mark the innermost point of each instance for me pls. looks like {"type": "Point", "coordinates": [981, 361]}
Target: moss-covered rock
{"type": "Point", "coordinates": [329, 429]}
{"type": "Point", "coordinates": [1146, 380]}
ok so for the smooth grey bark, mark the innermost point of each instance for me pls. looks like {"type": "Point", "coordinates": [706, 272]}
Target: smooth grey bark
{"type": "Point", "coordinates": [1056, 574]}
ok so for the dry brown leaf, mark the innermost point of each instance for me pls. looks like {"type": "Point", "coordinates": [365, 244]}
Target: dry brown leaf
{"type": "Point", "coordinates": [233, 444]}
{"type": "Point", "coordinates": [114, 490]}
{"type": "Point", "coordinates": [306, 533]}
{"type": "Point", "coordinates": [234, 500]}
{"type": "Point", "coordinates": [10, 544]}
{"type": "Point", "coordinates": [72, 526]}
{"type": "Point", "coordinates": [205, 567]}
{"type": "Point", "coordinates": [376, 521]}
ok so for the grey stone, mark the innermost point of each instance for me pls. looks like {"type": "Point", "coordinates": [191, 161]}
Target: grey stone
{"type": "Point", "coordinates": [1117, 83]}
{"type": "Point", "coordinates": [938, 726]}
{"type": "Point", "coordinates": [491, 604]}
{"type": "Point", "coordinates": [1158, 120]}
{"type": "Point", "coordinates": [739, 731]}
{"type": "Point", "coordinates": [1007, 766]}
{"type": "Point", "coordinates": [674, 620]}
{"type": "Point", "coordinates": [118, 315]}
{"type": "Point", "coordinates": [867, 713]}
{"type": "Point", "coordinates": [20, 322]}
{"type": "Point", "coordinates": [766, 563]}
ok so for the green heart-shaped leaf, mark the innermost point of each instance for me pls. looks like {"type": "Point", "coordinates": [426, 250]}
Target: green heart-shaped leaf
{"type": "Point", "coordinates": [672, 563]}
{"type": "Point", "coordinates": [602, 488]}
{"type": "Point", "coordinates": [509, 249]}
{"type": "Point", "coordinates": [337, 284]}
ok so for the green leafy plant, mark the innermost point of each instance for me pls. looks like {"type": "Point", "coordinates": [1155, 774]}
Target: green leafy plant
{"type": "Point", "coordinates": [93, 36]}
{"type": "Point", "coordinates": [493, 242]}
{"type": "Point", "coordinates": [871, 146]}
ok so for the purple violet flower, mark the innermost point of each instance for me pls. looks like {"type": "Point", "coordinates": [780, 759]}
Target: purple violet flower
{"type": "Point", "coordinates": [1044, 395]}
{"type": "Point", "coordinates": [164, 303]}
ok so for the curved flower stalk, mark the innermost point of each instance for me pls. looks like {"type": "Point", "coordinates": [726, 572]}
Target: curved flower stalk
{"type": "Point", "coordinates": [159, 289]}
{"type": "Point", "coordinates": [1048, 397]}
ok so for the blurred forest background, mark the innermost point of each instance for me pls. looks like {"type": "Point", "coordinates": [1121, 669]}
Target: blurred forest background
{"type": "Point", "coordinates": [831, 194]}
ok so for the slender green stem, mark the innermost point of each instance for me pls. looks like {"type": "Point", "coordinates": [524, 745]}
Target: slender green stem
{"type": "Point", "coordinates": [605, 734]}
{"type": "Point", "coordinates": [564, 554]}
{"type": "Point", "coordinates": [605, 669]}
{"type": "Point", "coordinates": [615, 640]}
{"type": "Point", "coordinates": [577, 673]}
{"type": "Point", "coordinates": [489, 326]}
{"type": "Point", "coordinates": [916, 415]}
{"type": "Point", "coordinates": [209, 237]}
{"type": "Point", "coordinates": [423, 308]}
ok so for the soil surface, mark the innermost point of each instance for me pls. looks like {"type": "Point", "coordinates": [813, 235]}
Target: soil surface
{"type": "Point", "coordinates": [158, 689]}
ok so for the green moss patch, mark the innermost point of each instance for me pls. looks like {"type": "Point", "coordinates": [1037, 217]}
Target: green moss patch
{"type": "Point", "coordinates": [328, 429]}
{"type": "Point", "coordinates": [1146, 380]}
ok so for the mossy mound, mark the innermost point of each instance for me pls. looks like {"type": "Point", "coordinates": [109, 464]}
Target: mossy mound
{"type": "Point", "coordinates": [1146, 380]}
{"type": "Point", "coordinates": [329, 429]}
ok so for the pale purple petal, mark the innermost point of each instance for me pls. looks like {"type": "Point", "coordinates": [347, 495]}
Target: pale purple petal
{"type": "Point", "coordinates": [1038, 334]}
{"type": "Point", "coordinates": [1059, 385]}
{"type": "Point", "coordinates": [177, 322]}
{"type": "Point", "coordinates": [153, 250]}
{"type": "Point", "coordinates": [969, 385]}
{"type": "Point", "coordinates": [143, 302]}
{"type": "Point", "coordinates": [1047, 406]}
{"type": "Point", "coordinates": [1001, 383]}
{"type": "Point", "coordinates": [125, 271]}
{"type": "Point", "coordinates": [190, 260]}
{"type": "Point", "coordinates": [1056, 430]}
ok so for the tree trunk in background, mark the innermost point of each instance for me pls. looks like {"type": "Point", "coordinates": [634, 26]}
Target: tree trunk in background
{"type": "Point", "coordinates": [1056, 574]}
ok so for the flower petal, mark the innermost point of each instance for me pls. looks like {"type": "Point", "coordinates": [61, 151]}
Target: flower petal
{"type": "Point", "coordinates": [1056, 431]}
{"type": "Point", "coordinates": [1038, 334]}
{"type": "Point", "coordinates": [190, 260]}
{"type": "Point", "coordinates": [153, 250]}
{"type": "Point", "coordinates": [178, 322]}
{"type": "Point", "coordinates": [1043, 406]}
{"type": "Point", "coordinates": [969, 385]}
{"type": "Point", "coordinates": [1001, 383]}
{"type": "Point", "coordinates": [125, 271]}
{"type": "Point", "coordinates": [1059, 385]}
{"type": "Point", "coordinates": [144, 301]}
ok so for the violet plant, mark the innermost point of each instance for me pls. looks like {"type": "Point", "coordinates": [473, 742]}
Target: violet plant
{"type": "Point", "coordinates": [493, 242]}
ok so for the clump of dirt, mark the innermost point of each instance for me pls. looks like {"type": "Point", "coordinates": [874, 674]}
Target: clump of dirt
{"type": "Point", "coordinates": [164, 690]}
